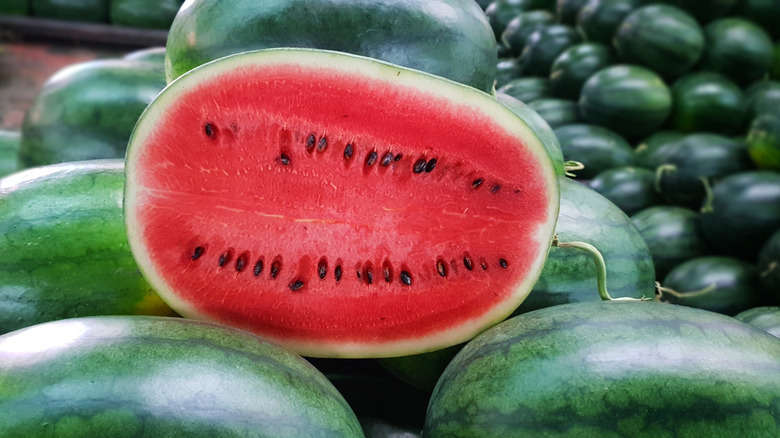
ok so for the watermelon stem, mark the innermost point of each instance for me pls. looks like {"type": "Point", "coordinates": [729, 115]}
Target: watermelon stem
{"type": "Point", "coordinates": [601, 268]}
{"type": "Point", "coordinates": [707, 206]}
{"type": "Point", "coordinates": [682, 295]}
{"type": "Point", "coordinates": [659, 173]}
{"type": "Point", "coordinates": [572, 166]}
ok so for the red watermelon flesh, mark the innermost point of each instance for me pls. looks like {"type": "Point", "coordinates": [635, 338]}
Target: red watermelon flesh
{"type": "Point", "coordinates": [339, 206]}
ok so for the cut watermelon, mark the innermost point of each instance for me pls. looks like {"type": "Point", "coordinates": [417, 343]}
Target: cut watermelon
{"type": "Point", "coordinates": [338, 205]}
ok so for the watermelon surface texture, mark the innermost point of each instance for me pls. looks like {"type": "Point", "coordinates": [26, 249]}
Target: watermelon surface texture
{"type": "Point", "coordinates": [338, 205]}
{"type": "Point", "coordinates": [450, 38]}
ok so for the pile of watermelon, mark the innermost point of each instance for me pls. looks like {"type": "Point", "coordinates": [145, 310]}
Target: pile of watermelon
{"type": "Point", "coordinates": [439, 218]}
{"type": "Point", "coordinates": [142, 14]}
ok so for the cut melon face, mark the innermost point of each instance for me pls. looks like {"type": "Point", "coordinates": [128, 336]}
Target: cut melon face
{"type": "Point", "coordinates": [337, 205]}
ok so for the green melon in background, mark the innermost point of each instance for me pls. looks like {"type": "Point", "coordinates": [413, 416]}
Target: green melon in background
{"type": "Point", "coordinates": [526, 89]}
{"type": "Point", "coordinates": [575, 65]}
{"type": "Point", "coordinates": [450, 38]}
{"type": "Point", "coordinates": [695, 157]}
{"type": "Point", "coordinates": [769, 266]}
{"type": "Point", "coordinates": [599, 20]}
{"type": "Point", "coordinates": [500, 12]}
{"type": "Point", "coordinates": [74, 10]}
{"type": "Point", "coordinates": [543, 46]}
{"type": "Point", "coordinates": [663, 38]}
{"type": "Point", "coordinates": [610, 370]}
{"type": "Point", "coordinates": [65, 253]}
{"type": "Point", "coordinates": [765, 318]}
{"type": "Point", "coordinates": [122, 376]}
{"type": "Point", "coordinates": [672, 234]}
{"type": "Point", "coordinates": [557, 112]}
{"type": "Point", "coordinates": [763, 141]}
{"type": "Point", "coordinates": [737, 48]}
{"type": "Point", "coordinates": [10, 142]}
{"type": "Point", "coordinates": [151, 14]}
{"type": "Point", "coordinates": [88, 110]}
{"type": "Point", "coordinates": [766, 13]}
{"type": "Point", "coordinates": [742, 212]}
{"type": "Point", "coordinates": [647, 151]}
{"type": "Point", "coordinates": [630, 188]}
{"type": "Point", "coordinates": [566, 10]}
{"type": "Point", "coordinates": [719, 284]}
{"type": "Point", "coordinates": [15, 7]}
{"type": "Point", "coordinates": [707, 101]}
{"type": "Point", "coordinates": [704, 10]}
{"type": "Point", "coordinates": [596, 147]}
{"type": "Point", "coordinates": [521, 26]}
{"type": "Point", "coordinates": [631, 100]}
{"type": "Point", "coordinates": [762, 97]}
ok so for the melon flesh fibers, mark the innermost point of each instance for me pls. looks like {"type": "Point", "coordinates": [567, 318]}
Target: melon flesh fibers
{"type": "Point", "coordinates": [337, 205]}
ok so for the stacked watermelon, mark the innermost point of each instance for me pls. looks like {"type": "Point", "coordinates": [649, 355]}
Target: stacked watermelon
{"type": "Point", "coordinates": [370, 186]}
{"type": "Point", "coordinates": [144, 14]}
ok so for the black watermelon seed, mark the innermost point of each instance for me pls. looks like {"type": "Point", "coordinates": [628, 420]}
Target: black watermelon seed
{"type": "Point", "coordinates": [241, 262]}
{"type": "Point", "coordinates": [322, 268]}
{"type": "Point", "coordinates": [371, 159]}
{"type": "Point", "coordinates": [398, 157]}
{"type": "Point", "coordinates": [386, 273]}
{"type": "Point", "coordinates": [284, 159]}
{"type": "Point", "coordinates": [337, 273]}
{"type": "Point", "coordinates": [476, 183]}
{"type": "Point", "coordinates": [310, 141]}
{"type": "Point", "coordinates": [359, 276]}
{"type": "Point", "coordinates": [495, 188]}
{"type": "Point", "coordinates": [503, 263]}
{"type": "Point", "coordinates": [431, 164]}
{"type": "Point", "coordinates": [467, 263]}
{"type": "Point", "coordinates": [386, 159]}
{"type": "Point", "coordinates": [419, 166]}
{"type": "Point", "coordinates": [406, 278]}
{"type": "Point", "coordinates": [258, 268]}
{"type": "Point", "coordinates": [369, 276]}
{"type": "Point", "coordinates": [275, 268]}
{"type": "Point", "coordinates": [441, 268]}
{"type": "Point", "coordinates": [348, 150]}
{"type": "Point", "coordinates": [322, 144]}
{"type": "Point", "coordinates": [209, 130]}
{"type": "Point", "coordinates": [199, 250]}
{"type": "Point", "coordinates": [224, 258]}
{"type": "Point", "coordinates": [483, 264]}
{"type": "Point", "coordinates": [296, 285]}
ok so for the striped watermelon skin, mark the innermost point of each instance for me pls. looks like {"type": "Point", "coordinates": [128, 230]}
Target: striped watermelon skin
{"type": "Point", "coordinates": [125, 376]}
{"type": "Point", "coordinates": [612, 369]}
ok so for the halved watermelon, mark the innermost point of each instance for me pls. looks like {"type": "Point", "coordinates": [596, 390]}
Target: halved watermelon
{"type": "Point", "coordinates": [338, 205]}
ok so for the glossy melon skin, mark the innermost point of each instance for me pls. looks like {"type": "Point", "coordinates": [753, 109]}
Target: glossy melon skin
{"type": "Point", "coordinates": [147, 14]}
{"type": "Point", "coordinates": [737, 48]}
{"type": "Point", "coordinates": [10, 142]}
{"type": "Point", "coordinates": [284, 219]}
{"type": "Point", "coordinates": [610, 370]}
{"type": "Point", "coordinates": [630, 188]}
{"type": "Point", "coordinates": [87, 111]}
{"type": "Point", "coordinates": [764, 317]}
{"type": "Point", "coordinates": [161, 377]}
{"type": "Point", "coordinates": [707, 102]}
{"type": "Point", "coordinates": [450, 38]}
{"type": "Point", "coordinates": [65, 253]}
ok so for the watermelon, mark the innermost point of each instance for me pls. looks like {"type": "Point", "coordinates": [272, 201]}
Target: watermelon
{"type": "Point", "coordinates": [521, 26]}
{"type": "Point", "coordinates": [599, 20]}
{"type": "Point", "coordinates": [526, 89]}
{"type": "Point", "coordinates": [742, 212]}
{"type": "Point", "coordinates": [647, 150]}
{"type": "Point", "coordinates": [769, 266]}
{"type": "Point", "coordinates": [696, 157]}
{"type": "Point", "coordinates": [630, 188]}
{"type": "Point", "coordinates": [225, 235]}
{"type": "Point", "coordinates": [543, 46]}
{"type": "Point", "coordinates": [147, 14]}
{"type": "Point", "coordinates": [764, 317]}
{"type": "Point", "coordinates": [763, 141]}
{"type": "Point", "coordinates": [762, 97]}
{"type": "Point", "coordinates": [507, 70]}
{"type": "Point", "coordinates": [629, 99]}
{"type": "Point", "coordinates": [15, 7]}
{"type": "Point", "coordinates": [65, 253]}
{"type": "Point", "coordinates": [611, 369]}
{"type": "Point", "coordinates": [719, 284]}
{"type": "Point", "coordinates": [663, 38]}
{"type": "Point", "coordinates": [596, 147]}
{"type": "Point", "coordinates": [575, 65]}
{"type": "Point", "coordinates": [765, 13]}
{"type": "Point", "coordinates": [450, 38]}
{"type": "Point", "coordinates": [567, 10]}
{"type": "Point", "coordinates": [145, 376]}
{"type": "Point", "coordinates": [739, 49]}
{"type": "Point", "coordinates": [10, 142]}
{"type": "Point", "coordinates": [707, 102]}
{"type": "Point", "coordinates": [87, 111]}
{"type": "Point", "coordinates": [556, 112]}
{"type": "Point", "coordinates": [569, 274]}
{"type": "Point", "coordinates": [500, 12]}
{"type": "Point", "coordinates": [73, 10]}
{"type": "Point", "coordinates": [705, 11]}
{"type": "Point", "coordinates": [672, 234]}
